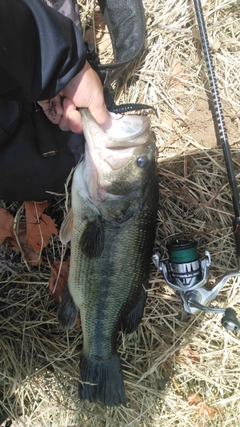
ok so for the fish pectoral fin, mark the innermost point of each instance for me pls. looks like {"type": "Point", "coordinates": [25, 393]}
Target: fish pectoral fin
{"type": "Point", "coordinates": [65, 233]}
{"type": "Point", "coordinates": [133, 319]}
{"type": "Point", "coordinates": [92, 239]}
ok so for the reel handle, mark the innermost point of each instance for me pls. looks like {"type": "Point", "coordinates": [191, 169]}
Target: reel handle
{"type": "Point", "coordinates": [230, 321]}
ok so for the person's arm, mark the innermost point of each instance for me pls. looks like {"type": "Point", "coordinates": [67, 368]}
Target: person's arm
{"type": "Point", "coordinates": [42, 54]}
{"type": "Point", "coordinates": [40, 50]}
{"type": "Point", "coordinates": [85, 91]}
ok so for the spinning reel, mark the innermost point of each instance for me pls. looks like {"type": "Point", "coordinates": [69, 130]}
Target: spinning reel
{"type": "Point", "coordinates": [184, 271]}
{"type": "Point", "coordinates": [188, 275]}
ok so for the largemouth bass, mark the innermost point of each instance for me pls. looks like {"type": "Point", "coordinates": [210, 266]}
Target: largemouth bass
{"type": "Point", "coordinates": [112, 226]}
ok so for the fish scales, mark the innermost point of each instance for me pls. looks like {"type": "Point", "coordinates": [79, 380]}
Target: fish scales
{"type": "Point", "coordinates": [103, 304]}
{"type": "Point", "coordinates": [107, 284]}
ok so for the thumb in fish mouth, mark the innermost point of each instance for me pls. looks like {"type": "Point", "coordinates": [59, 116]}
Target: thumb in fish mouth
{"type": "Point", "coordinates": [67, 312]}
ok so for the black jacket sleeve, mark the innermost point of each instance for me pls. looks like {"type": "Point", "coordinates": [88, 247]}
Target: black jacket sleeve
{"type": "Point", "coordinates": [40, 50]}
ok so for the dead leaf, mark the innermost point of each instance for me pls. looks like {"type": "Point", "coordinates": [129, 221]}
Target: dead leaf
{"type": "Point", "coordinates": [28, 237]}
{"type": "Point", "coordinates": [176, 73]}
{"type": "Point", "coordinates": [215, 44]}
{"type": "Point", "coordinates": [207, 410]}
{"type": "Point", "coordinates": [188, 356]}
{"type": "Point", "coordinates": [40, 226]}
{"type": "Point", "coordinates": [176, 67]}
{"type": "Point", "coordinates": [58, 279]}
{"type": "Point", "coordinates": [202, 408]}
{"type": "Point", "coordinates": [31, 256]}
{"type": "Point", "coordinates": [193, 398]}
{"type": "Point", "coordinates": [19, 243]}
{"type": "Point", "coordinates": [6, 224]}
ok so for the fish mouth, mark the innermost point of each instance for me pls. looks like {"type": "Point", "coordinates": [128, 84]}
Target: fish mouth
{"type": "Point", "coordinates": [125, 129]}
{"type": "Point", "coordinates": [118, 132]}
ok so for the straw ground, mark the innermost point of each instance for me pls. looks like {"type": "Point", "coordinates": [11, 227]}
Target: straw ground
{"type": "Point", "coordinates": [180, 370]}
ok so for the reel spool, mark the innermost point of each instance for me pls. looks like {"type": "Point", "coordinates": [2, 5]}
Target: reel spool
{"type": "Point", "coordinates": [184, 267]}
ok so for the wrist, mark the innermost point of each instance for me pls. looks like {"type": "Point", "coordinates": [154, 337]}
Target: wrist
{"type": "Point", "coordinates": [72, 89]}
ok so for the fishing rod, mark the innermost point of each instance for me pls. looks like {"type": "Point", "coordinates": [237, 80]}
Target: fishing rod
{"type": "Point", "coordinates": [184, 271]}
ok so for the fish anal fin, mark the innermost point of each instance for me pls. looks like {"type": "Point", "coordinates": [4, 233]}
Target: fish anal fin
{"type": "Point", "coordinates": [65, 233]}
{"type": "Point", "coordinates": [133, 319]}
{"type": "Point", "coordinates": [92, 238]}
{"type": "Point", "coordinates": [102, 381]}
{"type": "Point", "coordinates": [67, 312]}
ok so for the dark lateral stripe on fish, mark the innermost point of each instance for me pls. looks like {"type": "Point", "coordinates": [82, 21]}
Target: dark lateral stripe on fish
{"type": "Point", "coordinates": [102, 381]}
{"type": "Point", "coordinates": [124, 108]}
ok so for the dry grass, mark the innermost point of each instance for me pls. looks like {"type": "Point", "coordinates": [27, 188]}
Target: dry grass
{"type": "Point", "coordinates": [173, 355]}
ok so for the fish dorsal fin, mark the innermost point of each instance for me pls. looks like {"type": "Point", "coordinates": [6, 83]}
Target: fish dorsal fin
{"type": "Point", "coordinates": [92, 239]}
{"type": "Point", "coordinates": [65, 233]}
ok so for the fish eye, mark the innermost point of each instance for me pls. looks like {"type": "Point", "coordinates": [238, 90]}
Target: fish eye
{"type": "Point", "coordinates": [142, 161]}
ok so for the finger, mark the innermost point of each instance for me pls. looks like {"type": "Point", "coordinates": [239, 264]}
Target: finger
{"type": "Point", "coordinates": [53, 109]}
{"type": "Point", "coordinates": [68, 106]}
{"type": "Point", "coordinates": [85, 91]}
{"type": "Point", "coordinates": [99, 113]}
{"type": "Point", "coordinates": [75, 121]}
{"type": "Point", "coordinates": [71, 119]}
{"type": "Point", "coordinates": [56, 105]}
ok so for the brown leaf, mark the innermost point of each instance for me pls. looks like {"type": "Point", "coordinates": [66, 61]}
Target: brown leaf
{"type": "Point", "coordinates": [58, 279]}
{"type": "Point", "coordinates": [6, 224]}
{"type": "Point", "coordinates": [188, 356]}
{"type": "Point", "coordinates": [20, 244]}
{"type": "Point", "coordinates": [207, 411]}
{"type": "Point", "coordinates": [40, 226]}
{"type": "Point", "coordinates": [31, 256]}
{"type": "Point", "coordinates": [193, 398]}
{"type": "Point", "coordinates": [30, 237]}
{"type": "Point", "coordinates": [202, 408]}
{"type": "Point", "coordinates": [177, 77]}
{"type": "Point", "coordinates": [176, 67]}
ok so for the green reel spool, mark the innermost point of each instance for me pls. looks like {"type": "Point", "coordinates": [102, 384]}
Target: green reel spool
{"type": "Point", "coordinates": [184, 265]}
{"type": "Point", "coordinates": [182, 251]}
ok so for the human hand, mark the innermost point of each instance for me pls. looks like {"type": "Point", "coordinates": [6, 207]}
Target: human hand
{"type": "Point", "coordinates": [83, 91]}
{"type": "Point", "coordinates": [53, 109]}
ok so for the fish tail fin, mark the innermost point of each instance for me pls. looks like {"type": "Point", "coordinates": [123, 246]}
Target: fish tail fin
{"type": "Point", "coordinates": [67, 312]}
{"type": "Point", "coordinates": [102, 380]}
{"type": "Point", "coordinates": [133, 319]}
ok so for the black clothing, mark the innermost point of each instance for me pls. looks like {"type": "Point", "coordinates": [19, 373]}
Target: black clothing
{"type": "Point", "coordinates": [40, 50]}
